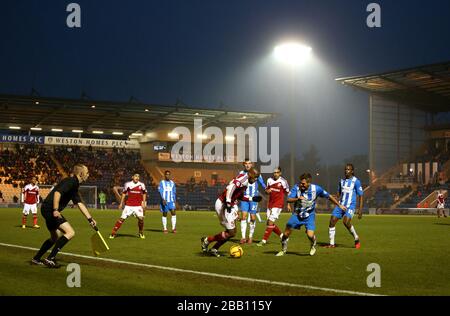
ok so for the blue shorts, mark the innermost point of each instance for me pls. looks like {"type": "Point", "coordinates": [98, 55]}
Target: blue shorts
{"type": "Point", "coordinates": [250, 207]}
{"type": "Point", "coordinates": [338, 213]}
{"type": "Point", "coordinates": [170, 206]}
{"type": "Point", "coordinates": [295, 222]}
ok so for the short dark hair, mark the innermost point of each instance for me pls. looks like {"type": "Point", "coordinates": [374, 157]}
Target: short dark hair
{"type": "Point", "coordinates": [167, 171]}
{"type": "Point", "coordinates": [350, 165]}
{"type": "Point", "coordinates": [306, 176]}
{"type": "Point", "coordinates": [247, 159]}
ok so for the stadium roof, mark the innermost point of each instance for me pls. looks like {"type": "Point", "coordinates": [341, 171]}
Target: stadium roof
{"type": "Point", "coordinates": [426, 87]}
{"type": "Point", "coordinates": [127, 117]}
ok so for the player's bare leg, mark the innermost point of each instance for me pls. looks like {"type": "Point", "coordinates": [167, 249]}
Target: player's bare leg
{"type": "Point", "coordinates": [312, 239]}
{"type": "Point", "coordinates": [284, 242]}
{"type": "Point", "coordinates": [348, 224]}
{"type": "Point", "coordinates": [243, 227]}
{"type": "Point", "coordinates": [173, 219]}
{"type": "Point", "coordinates": [252, 228]}
{"type": "Point", "coordinates": [332, 231]}
{"type": "Point", "coordinates": [116, 227]}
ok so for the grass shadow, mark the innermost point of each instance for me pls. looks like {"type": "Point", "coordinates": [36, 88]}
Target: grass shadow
{"type": "Point", "coordinates": [126, 235]}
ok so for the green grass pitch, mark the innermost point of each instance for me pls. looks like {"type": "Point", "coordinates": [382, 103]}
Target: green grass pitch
{"type": "Point", "coordinates": [412, 252]}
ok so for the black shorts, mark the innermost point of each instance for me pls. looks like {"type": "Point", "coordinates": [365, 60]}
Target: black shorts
{"type": "Point", "coordinates": [52, 222]}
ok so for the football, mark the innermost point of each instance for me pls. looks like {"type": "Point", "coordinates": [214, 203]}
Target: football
{"type": "Point", "coordinates": [236, 251]}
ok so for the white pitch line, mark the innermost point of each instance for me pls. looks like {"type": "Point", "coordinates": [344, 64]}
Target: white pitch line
{"type": "Point", "coordinates": [231, 277]}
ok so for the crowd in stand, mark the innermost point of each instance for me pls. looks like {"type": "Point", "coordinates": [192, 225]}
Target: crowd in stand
{"type": "Point", "coordinates": [18, 166]}
{"type": "Point", "coordinates": [106, 168]}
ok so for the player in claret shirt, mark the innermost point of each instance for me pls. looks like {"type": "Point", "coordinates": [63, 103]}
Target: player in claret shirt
{"type": "Point", "coordinates": [135, 204]}
{"type": "Point", "coordinates": [30, 199]}
{"type": "Point", "coordinates": [277, 188]}
{"type": "Point", "coordinates": [441, 204]}
{"type": "Point", "coordinates": [227, 210]}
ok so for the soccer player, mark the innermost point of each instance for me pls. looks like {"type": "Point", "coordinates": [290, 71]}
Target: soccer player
{"type": "Point", "coordinates": [277, 188]}
{"type": "Point", "coordinates": [167, 191]}
{"type": "Point", "coordinates": [251, 207]}
{"type": "Point", "coordinates": [60, 229]}
{"type": "Point", "coordinates": [30, 199]}
{"type": "Point", "coordinates": [135, 204]}
{"type": "Point", "coordinates": [349, 188]}
{"type": "Point", "coordinates": [441, 204]}
{"type": "Point", "coordinates": [102, 200]}
{"type": "Point", "coordinates": [227, 210]}
{"type": "Point", "coordinates": [304, 195]}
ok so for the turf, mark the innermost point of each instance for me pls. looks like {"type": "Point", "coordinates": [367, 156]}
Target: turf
{"type": "Point", "coordinates": [411, 251]}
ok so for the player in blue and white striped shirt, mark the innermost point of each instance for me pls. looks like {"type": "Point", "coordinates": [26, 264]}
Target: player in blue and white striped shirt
{"type": "Point", "coordinates": [167, 191]}
{"type": "Point", "coordinates": [304, 194]}
{"type": "Point", "coordinates": [349, 188]}
{"type": "Point", "coordinates": [250, 206]}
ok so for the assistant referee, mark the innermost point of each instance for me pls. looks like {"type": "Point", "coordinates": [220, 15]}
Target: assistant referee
{"type": "Point", "coordinates": [60, 229]}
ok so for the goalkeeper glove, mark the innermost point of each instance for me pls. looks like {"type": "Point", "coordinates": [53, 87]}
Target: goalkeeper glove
{"type": "Point", "coordinates": [256, 198]}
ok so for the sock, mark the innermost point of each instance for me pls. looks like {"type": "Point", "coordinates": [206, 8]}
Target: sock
{"type": "Point", "coordinates": [58, 246]}
{"type": "Point", "coordinates": [268, 214]}
{"type": "Point", "coordinates": [276, 230]}
{"type": "Point", "coordinates": [312, 240]}
{"type": "Point", "coordinates": [249, 219]}
{"type": "Point", "coordinates": [164, 221]}
{"type": "Point", "coordinates": [252, 229]}
{"type": "Point", "coordinates": [284, 242]}
{"type": "Point", "coordinates": [258, 217]}
{"type": "Point", "coordinates": [141, 226]}
{"type": "Point", "coordinates": [243, 228]}
{"type": "Point", "coordinates": [219, 243]}
{"type": "Point", "coordinates": [35, 219]}
{"type": "Point", "coordinates": [44, 248]}
{"type": "Point", "coordinates": [174, 221]}
{"type": "Point", "coordinates": [353, 232]}
{"type": "Point", "coordinates": [268, 232]}
{"type": "Point", "coordinates": [24, 219]}
{"type": "Point", "coordinates": [218, 237]}
{"type": "Point", "coordinates": [117, 226]}
{"type": "Point", "coordinates": [332, 233]}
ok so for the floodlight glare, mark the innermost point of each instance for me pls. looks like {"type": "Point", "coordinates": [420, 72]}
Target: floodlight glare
{"type": "Point", "coordinates": [292, 53]}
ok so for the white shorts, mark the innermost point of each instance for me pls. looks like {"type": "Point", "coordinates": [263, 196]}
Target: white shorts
{"type": "Point", "coordinates": [440, 205]}
{"type": "Point", "coordinates": [29, 207]}
{"type": "Point", "coordinates": [226, 219]}
{"type": "Point", "coordinates": [274, 213]}
{"type": "Point", "coordinates": [136, 211]}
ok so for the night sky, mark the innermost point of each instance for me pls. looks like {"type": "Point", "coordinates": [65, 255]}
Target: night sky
{"type": "Point", "coordinates": [210, 52]}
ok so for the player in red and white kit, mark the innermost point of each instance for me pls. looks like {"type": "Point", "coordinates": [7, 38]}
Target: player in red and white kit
{"type": "Point", "coordinates": [30, 200]}
{"type": "Point", "coordinates": [135, 204]}
{"type": "Point", "coordinates": [441, 204]}
{"type": "Point", "coordinates": [227, 210]}
{"type": "Point", "coordinates": [277, 188]}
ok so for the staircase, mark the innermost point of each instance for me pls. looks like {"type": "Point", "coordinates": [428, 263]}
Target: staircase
{"type": "Point", "coordinates": [405, 197]}
{"type": "Point", "coordinates": [58, 165]}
